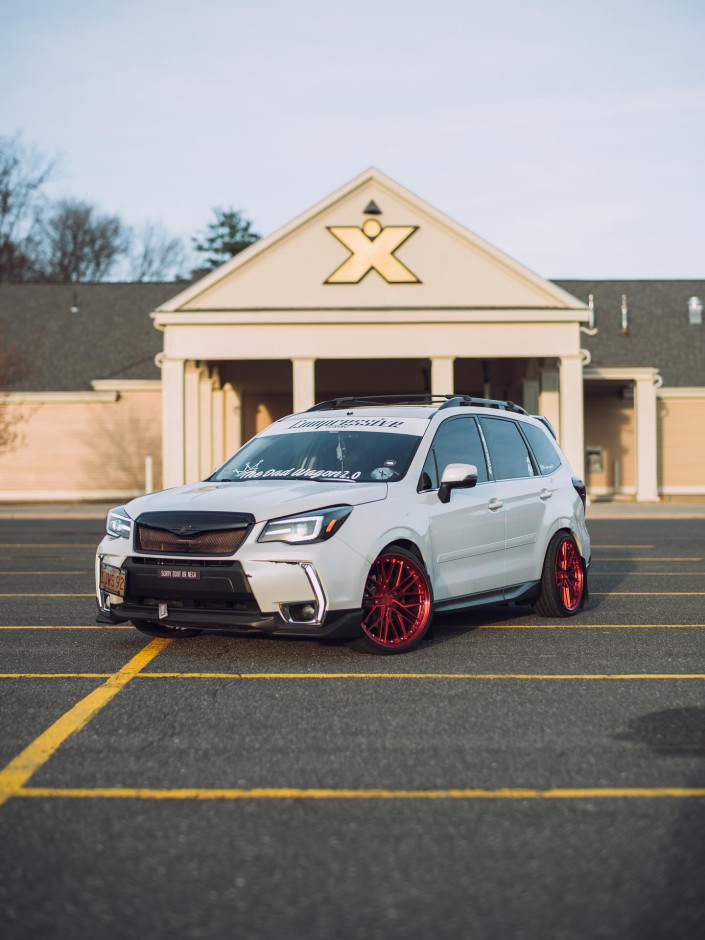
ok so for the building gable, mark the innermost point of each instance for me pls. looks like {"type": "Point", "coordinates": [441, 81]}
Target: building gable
{"type": "Point", "coordinates": [372, 245]}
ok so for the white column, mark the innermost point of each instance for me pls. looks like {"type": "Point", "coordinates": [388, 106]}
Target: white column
{"type": "Point", "coordinates": [571, 430]}
{"type": "Point", "coordinates": [549, 396]}
{"type": "Point", "coordinates": [172, 422]}
{"type": "Point", "coordinates": [442, 379]}
{"type": "Point", "coordinates": [205, 397]}
{"type": "Point", "coordinates": [531, 395]}
{"type": "Point", "coordinates": [646, 443]}
{"type": "Point", "coordinates": [232, 409]}
{"type": "Point", "coordinates": [304, 383]}
{"type": "Point", "coordinates": [218, 452]}
{"type": "Point", "coordinates": [192, 422]}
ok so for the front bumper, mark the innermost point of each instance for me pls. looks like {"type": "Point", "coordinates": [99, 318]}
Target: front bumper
{"type": "Point", "coordinates": [242, 593]}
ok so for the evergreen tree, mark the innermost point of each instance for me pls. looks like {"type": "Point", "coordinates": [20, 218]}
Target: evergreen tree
{"type": "Point", "coordinates": [224, 238]}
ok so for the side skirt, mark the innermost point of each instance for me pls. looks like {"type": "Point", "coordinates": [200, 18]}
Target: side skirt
{"type": "Point", "coordinates": [517, 593]}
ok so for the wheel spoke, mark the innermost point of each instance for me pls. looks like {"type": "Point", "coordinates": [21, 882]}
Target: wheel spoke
{"type": "Point", "coordinates": [569, 574]}
{"type": "Point", "coordinates": [396, 601]}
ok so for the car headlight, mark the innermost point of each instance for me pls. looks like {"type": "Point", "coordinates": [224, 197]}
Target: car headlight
{"type": "Point", "coordinates": [118, 524]}
{"type": "Point", "coordinates": [316, 526]}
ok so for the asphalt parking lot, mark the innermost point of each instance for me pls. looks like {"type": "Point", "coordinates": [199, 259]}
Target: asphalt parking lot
{"type": "Point", "coordinates": [513, 778]}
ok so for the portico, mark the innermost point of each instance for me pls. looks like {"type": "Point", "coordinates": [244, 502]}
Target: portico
{"type": "Point", "coordinates": [272, 331]}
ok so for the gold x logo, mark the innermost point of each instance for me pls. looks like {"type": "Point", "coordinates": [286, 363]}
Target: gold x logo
{"type": "Point", "coordinates": [372, 246]}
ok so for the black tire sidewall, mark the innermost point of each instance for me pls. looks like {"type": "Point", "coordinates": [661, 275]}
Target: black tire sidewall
{"type": "Point", "coordinates": [550, 603]}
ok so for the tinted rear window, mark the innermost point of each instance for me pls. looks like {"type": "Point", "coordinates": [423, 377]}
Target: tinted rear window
{"type": "Point", "coordinates": [544, 451]}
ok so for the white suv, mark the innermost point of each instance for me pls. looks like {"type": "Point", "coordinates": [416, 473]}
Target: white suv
{"type": "Point", "coordinates": [357, 518]}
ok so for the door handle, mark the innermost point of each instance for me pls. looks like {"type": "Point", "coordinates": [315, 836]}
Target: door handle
{"type": "Point", "coordinates": [495, 504]}
{"type": "Point", "coordinates": [546, 494]}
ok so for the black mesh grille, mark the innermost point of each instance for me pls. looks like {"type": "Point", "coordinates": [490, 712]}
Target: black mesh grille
{"type": "Point", "coordinates": [221, 542]}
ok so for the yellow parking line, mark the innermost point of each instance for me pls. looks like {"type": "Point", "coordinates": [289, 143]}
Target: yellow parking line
{"type": "Point", "coordinates": [484, 626]}
{"type": "Point", "coordinates": [588, 626]}
{"type": "Point", "coordinates": [296, 793]}
{"type": "Point", "coordinates": [61, 545]}
{"type": "Point", "coordinates": [92, 594]}
{"type": "Point", "coordinates": [356, 675]}
{"type": "Point", "coordinates": [648, 593]}
{"type": "Point", "coordinates": [55, 675]}
{"type": "Point", "coordinates": [413, 675]}
{"type": "Point", "coordinates": [649, 574]}
{"type": "Point", "coordinates": [19, 770]}
{"type": "Point", "coordinates": [88, 626]}
{"type": "Point", "coordinates": [629, 558]}
{"type": "Point", "coordinates": [85, 571]}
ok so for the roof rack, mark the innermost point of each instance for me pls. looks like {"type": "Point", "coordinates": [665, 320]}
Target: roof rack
{"type": "Point", "coordinates": [458, 401]}
{"type": "Point", "coordinates": [443, 401]}
{"type": "Point", "coordinates": [365, 401]}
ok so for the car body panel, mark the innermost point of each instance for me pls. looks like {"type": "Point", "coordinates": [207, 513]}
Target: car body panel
{"type": "Point", "coordinates": [472, 553]}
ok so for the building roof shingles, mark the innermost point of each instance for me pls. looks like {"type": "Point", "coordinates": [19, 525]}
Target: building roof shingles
{"type": "Point", "coordinates": [112, 336]}
{"type": "Point", "coordinates": [659, 332]}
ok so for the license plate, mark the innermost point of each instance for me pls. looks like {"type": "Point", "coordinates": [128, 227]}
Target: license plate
{"type": "Point", "coordinates": [112, 580]}
{"type": "Point", "coordinates": [181, 574]}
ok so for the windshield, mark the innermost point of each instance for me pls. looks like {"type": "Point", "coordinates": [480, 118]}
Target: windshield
{"type": "Point", "coordinates": [355, 456]}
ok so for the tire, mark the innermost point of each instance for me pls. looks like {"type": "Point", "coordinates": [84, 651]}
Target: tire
{"type": "Point", "coordinates": [563, 580]}
{"type": "Point", "coordinates": [397, 604]}
{"type": "Point", "coordinates": [152, 628]}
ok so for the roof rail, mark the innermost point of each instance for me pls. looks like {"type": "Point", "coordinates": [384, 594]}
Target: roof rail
{"type": "Point", "coordinates": [544, 420]}
{"type": "Point", "coordinates": [362, 401]}
{"type": "Point", "coordinates": [444, 401]}
{"type": "Point", "coordinates": [458, 401]}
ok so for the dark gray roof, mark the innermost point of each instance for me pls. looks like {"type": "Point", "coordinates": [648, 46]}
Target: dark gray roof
{"type": "Point", "coordinates": [659, 332]}
{"type": "Point", "coordinates": [111, 335]}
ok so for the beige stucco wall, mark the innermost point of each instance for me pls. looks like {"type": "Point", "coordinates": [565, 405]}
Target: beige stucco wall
{"type": "Point", "coordinates": [682, 445]}
{"type": "Point", "coordinates": [83, 446]}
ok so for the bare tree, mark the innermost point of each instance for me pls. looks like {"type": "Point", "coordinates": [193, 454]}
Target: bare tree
{"type": "Point", "coordinates": [23, 173]}
{"type": "Point", "coordinates": [12, 369]}
{"type": "Point", "coordinates": [80, 244]}
{"type": "Point", "coordinates": [155, 256]}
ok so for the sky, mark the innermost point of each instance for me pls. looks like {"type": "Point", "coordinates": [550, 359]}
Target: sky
{"type": "Point", "coordinates": [570, 135]}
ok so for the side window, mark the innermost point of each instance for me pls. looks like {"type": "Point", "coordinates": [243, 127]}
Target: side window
{"type": "Point", "coordinates": [508, 453]}
{"type": "Point", "coordinates": [456, 441]}
{"type": "Point", "coordinates": [544, 451]}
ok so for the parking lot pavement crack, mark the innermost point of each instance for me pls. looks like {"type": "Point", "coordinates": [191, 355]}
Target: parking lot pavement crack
{"type": "Point", "coordinates": [21, 768]}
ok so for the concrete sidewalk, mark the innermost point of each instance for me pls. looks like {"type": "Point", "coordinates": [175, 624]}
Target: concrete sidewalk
{"type": "Point", "coordinates": [619, 510]}
{"type": "Point", "coordinates": [56, 510]}
{"type": "Point", "coordinates": [595, 510]}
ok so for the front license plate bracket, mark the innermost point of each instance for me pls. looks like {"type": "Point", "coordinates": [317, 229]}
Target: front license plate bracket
{"type": "Point", "coordinates": [112, 580]}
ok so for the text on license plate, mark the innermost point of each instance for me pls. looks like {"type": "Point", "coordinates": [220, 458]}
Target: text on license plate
{"type": "Point", "coordinates": [112, 580]}
{"type": "Point", "coordinates": [187, 574]}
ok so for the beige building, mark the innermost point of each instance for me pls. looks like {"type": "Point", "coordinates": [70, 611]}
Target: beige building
{"type": "Point", "coordinates": [370, 291]}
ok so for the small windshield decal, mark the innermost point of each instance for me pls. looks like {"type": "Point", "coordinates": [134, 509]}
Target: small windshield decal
{"type": "Point", "coordinates": [382, 473]}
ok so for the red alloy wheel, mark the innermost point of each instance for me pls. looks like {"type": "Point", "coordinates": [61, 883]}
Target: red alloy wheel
{"type": "Point", "coordinates": [396, 603]}
{"type": "Point", "coordinates": [570, 579]}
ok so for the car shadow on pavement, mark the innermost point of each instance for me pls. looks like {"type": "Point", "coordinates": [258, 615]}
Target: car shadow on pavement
{"type": "Point", "coordinates": [677, 908]}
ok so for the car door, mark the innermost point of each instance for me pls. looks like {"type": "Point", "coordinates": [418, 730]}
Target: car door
{"type": "Point", "coordinates": [520, 487]}
{"type": "Point", "coordinates": [467, 532]}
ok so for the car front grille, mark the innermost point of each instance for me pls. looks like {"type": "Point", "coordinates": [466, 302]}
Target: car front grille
{"type": "Point", "coordinates": [218, 542]}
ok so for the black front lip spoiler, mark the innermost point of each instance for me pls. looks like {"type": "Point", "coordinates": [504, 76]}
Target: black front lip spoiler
{"type": "Point", "coordinates": [338, 623]}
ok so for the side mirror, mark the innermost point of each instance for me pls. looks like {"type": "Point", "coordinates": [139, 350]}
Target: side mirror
{"type": "Point", "coordinates": [456, 476]}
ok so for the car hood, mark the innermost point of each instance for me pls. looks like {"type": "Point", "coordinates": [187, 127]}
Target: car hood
{"type": "Point", "coordinates": [264, 499]}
